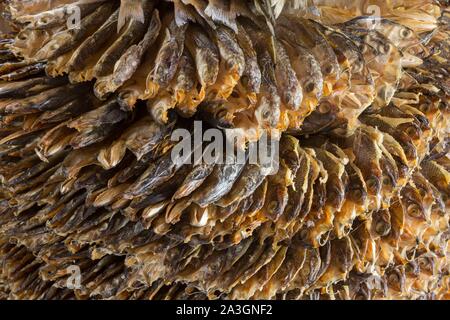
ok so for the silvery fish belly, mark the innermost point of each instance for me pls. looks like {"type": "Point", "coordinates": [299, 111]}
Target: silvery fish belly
{"type": "Point", "coordinates": [224, 149]}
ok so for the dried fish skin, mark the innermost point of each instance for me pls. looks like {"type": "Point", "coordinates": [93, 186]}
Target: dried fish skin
{"type": "Point", "coordinates": [93, 43]}
{"type": "Point", "coordinates": [44, 101]}
{"type": "Point", "coordinates": [290, 91]}
{"type": "Point", "coordinates": [316, 42]}
{"type": "Point", "coordinates": [56, 16]}
{"type": "Point", "coordinates": [217, 184]}
{"type": "Point", "coordinates": [357, 209]}
{"type": "Point", "coordinates": [205, 54]}
{"type": "Point", "coordinates": [251, 76]}
{"type": "Point", "coordinates": [401, 36]}
{"type": "Point", "coordinates": [127, 65]}
{"type": "Point", "coordinates": [131, 35]}
{"type": "Point", "coordinates": [67, 40]}
{"type": "Point", "coordinates": [168, 57]}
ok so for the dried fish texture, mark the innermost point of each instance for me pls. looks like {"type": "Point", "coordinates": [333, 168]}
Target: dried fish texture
{"type": "Point", "coordinates": [358, 208]}
{"type": "Point", "coordinates": [267, 68]}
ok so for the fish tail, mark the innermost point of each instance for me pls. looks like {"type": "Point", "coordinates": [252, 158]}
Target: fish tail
{"type": "Point", "coordinates": [130, 10]}
{"type": "Point", "coordinates": [221, 12]}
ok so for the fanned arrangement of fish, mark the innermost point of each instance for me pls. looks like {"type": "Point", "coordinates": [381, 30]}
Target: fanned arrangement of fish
{"type": "Point", "coordinates": [93, 206]}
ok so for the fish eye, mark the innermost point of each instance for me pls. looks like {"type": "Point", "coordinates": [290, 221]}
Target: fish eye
{"type": "Point", "coordinates": [414, 210]}
{"type": "Point", "coordinates": [424, 263]}
{"type": "Point", "coordinates": [221, 113]}
{"type": "Point", "coordinates": [411, 131]}
{"type": "Point", "coordinates": [422, 192]}
{"type": "Point", "coordinates": [384, 48]}
{"type": "Point", "coordinates": [273, 206]}
{"type": "Point", "coordinates": [328, 69]}
{"type": "Point", "coordinates": [372, 183]}
{"type": "Point", "coordinates": [357, 194]}
{"type": "Point", "coordinates": [393, 278]}
{"type": "Point", "coordinates": [324, 107]}
{"type": "Point", "coordinates": [386, 181]}
{"type": "Point", "coordinates": [405, 33]}
{"type": "Point", "coordinates": [244, 80]}
{"type": "Point", "coordinates": [303, 234]}
{"type": "Point", "coordinates": [309, 87]}
{"type": "Point", "coordinates": [382, 228]}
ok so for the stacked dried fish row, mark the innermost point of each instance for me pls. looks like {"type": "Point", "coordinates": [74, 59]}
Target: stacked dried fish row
{"type": "Point", "coordinates": [48, 276]}
{"type": "Point", "coordinates": [245, 71]}
{"type": "Point", "coordinates": [78, 173]}
{"type": "Point", "coordinates": [65, 214]}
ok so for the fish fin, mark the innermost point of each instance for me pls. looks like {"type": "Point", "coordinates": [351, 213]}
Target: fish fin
{"type": "Point", "coordinates": [222, 13]}
{"type": "Point", "coordinates": [183, 13]}
{"type": "Point", "coordinates": [130, 10]}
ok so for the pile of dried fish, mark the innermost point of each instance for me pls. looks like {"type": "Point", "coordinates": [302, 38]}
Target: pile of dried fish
{"type": "Point", "coordinates": [92, 205]}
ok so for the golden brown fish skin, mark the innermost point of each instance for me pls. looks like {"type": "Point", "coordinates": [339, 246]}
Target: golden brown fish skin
{"type": "Point", "coordinates": [131, 35]}
{"type": "Point", "coordinates": [289, 88]}
{"type": "Point", "coordinates": [277, 196]}
{"type": "Point", "coordinates": [401, 36]}
{"type": "Point", "coordinates": [297, 192]}
{"type": "Point", "coordinates": [65, 41]}
{"type": "Point", "coordinates": [336, 183]}
{"type": "Point", "coordinates": [383, 60]}
{"type": "Point", "coordinates": [250, 179]}
{"type": "Point", "coordinates": [173, 248]}
{"type": "Point", "coordinates": [56, 16]}
{"type": "Point", "coordinates": [316, 42]}
{"type": "Point", "coordinates": [193, 180]}
{"type": "Point", "coordinates": [168, 57]}
{"type": "Point", "coordinates": [268, 107]}
{"type": "Point", "coordinates": [218, 183]}
{"type": "Point", "coordinates": [438, 176]}
{"type": "Point", "coordinates": [367, 155]}
{"type": "Point", "coordinates": [395, 131]}
{"type": "Point", "coordinates": [205, 53]}
{"type": "Point", "coordinates": [306, 67]}
{"type": "Point", "coordinates": [44, 101]}
{"type": "Point", "coordinates": [128, 63]}
{"type": "Point", "coordinates": [232, 63]}
{"type": "Point", "coordinates": [93, 43]}
{"type": "Point", "coordinates": [251, 77]}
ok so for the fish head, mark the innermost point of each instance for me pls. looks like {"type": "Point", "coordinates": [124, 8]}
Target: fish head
{"type": "Point", "coordinates": [412, 202]}
{"type": "Point", "coordinates": [381, 223]}
{"type": "Point", "coordinates": [321, 118]}
{"type": "Point", "coordinates": [395, 278]}
{"type": "Point", "coordinates": [218, 112]}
